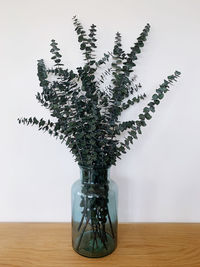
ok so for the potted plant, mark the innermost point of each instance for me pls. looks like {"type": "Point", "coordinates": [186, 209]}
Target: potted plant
{"type": "Point", "coordinates": [86, 106]}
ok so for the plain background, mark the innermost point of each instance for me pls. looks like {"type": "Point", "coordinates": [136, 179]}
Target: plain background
{"type": "Point", "coordinates": [159, 178]}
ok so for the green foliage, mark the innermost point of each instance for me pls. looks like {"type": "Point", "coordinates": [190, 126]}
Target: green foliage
{"type": "Point", "coordinates": [86, 112]}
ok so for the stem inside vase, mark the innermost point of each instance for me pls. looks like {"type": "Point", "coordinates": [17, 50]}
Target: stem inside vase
{"type": "Point", "coordinates": [96, 230]}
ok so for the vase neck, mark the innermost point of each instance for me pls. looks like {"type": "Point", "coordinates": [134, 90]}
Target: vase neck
{"type": "Point", "coordinates": [94, 175]}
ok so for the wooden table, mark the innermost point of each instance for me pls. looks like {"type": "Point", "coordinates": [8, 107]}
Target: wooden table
{"type": "Point", "coordinates": [139, 245]}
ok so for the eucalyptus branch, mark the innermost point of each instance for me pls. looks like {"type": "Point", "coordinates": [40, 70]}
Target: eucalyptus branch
{"type": "Point", "coordinates": [150, 108]}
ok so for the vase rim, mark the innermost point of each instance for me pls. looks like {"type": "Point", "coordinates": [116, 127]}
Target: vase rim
{"type": "Point", "coordinates": [94, 167]}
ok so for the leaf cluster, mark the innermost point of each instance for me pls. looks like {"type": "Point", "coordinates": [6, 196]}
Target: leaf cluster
{"type": "Point", "coordinates": [87, 112]}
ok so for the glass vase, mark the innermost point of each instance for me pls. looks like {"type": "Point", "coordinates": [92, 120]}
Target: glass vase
{"type": "Point", "coordinates": [94, 213]}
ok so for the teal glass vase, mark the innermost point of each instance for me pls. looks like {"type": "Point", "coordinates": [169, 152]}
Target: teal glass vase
{"type": "Point", "coordinates": [94, 213]}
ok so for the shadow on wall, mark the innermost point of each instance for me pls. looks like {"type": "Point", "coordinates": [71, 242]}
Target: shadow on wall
{"type": "Point", "coordinates": [144, 200]}
{"type": "Point", "coordinates": [138, 198]}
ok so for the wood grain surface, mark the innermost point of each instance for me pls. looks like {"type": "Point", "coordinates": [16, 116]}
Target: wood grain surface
{"type": "Point", "coordinates": [139, 245]}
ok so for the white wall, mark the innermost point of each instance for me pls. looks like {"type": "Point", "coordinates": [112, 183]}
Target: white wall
{"type": "Point", "coordinates": [159, 179]}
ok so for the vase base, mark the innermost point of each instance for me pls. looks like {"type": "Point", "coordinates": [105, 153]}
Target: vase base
{"type": "Point", "coordinates": [94, 248]}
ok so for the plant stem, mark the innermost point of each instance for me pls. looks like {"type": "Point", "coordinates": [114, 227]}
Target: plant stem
{"type": "Point", "coordinates": [93, 238]}
{"type": "Point", "coordinates": [111, 228]}
{"type": "Point", "coordinates": [81, 222]}
{"type": "Point", "coordinates": [82, 233]}
{"type": "Point", "coordinates": [101, 237]}
{"type": "Point", "coordinates": [104, 232]}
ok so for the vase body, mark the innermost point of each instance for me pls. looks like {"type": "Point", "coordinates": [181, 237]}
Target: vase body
{"type": "Point", "coordinates": [94, 213]}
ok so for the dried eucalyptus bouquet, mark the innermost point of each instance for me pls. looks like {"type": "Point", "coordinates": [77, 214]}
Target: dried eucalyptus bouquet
{"type": "Point", "coordinates": [86, 106]}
